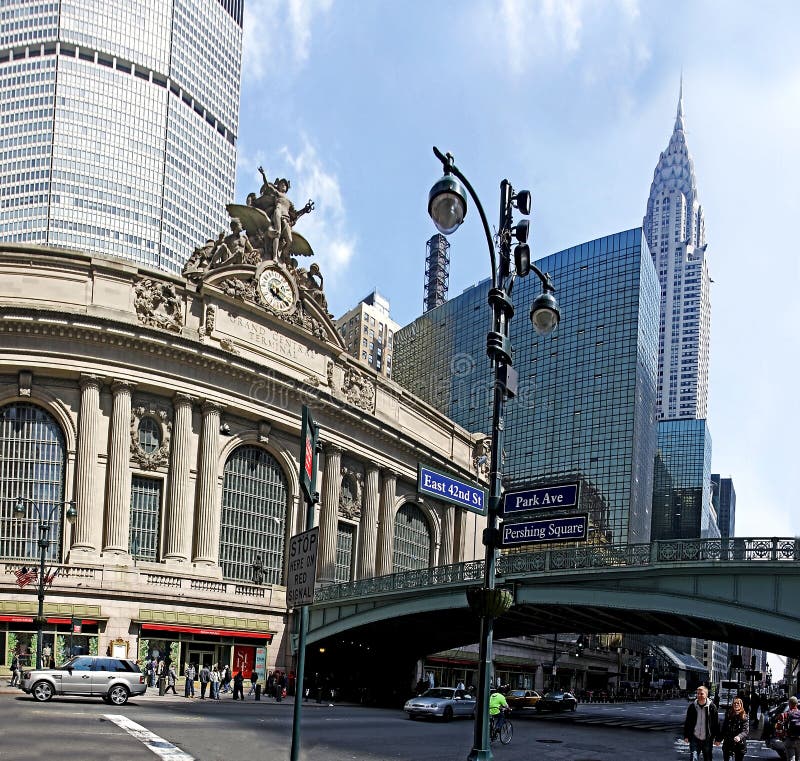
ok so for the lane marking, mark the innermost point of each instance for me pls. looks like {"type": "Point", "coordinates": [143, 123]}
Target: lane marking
{"type": "Point", "coordinates": [152, 741]}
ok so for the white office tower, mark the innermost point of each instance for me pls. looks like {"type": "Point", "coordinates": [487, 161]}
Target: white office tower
{"type": "Point", "coordinates": [675, 231]}
{"type": "Point", "coordinates": [119, 124]}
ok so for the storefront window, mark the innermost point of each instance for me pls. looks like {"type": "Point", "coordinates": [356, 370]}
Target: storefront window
{"type": "Point", "coordinates": [32, 466]}
{"type": "Point", "coordinates": [254, 495]}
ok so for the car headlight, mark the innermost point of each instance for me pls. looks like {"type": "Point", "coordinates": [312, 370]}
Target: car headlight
{"type": "Point", "coordinates": [434, 705]}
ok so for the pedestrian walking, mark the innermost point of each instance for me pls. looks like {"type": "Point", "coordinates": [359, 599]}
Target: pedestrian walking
{"type": "Point", "coordinates": [238, 685]}
{"type": "Point", "coordinates": [205, 679]}
{"type": "Point", "coordinates": [791, 726]}
{"type": "Point", "coordinates": [215, 682]}
{"type": "Point", "coordinates": [190, 674]}
{"type": "Point", "coordinates": [735, 729]}
{"type": "Point", "coordinates": [701, 726]}
{"type": "Point", "coordinates": [225, 677]}
{"type": "Point", "coordinates": [14, 671]}
{"type": "Point", "coordinates": [172, 677]}
{"type": "Point", "coordinates": [150, 668]}
{"type": "Point", "coordinates": [161, 676]}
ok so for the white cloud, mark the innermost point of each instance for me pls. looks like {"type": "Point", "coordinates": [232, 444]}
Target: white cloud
{"type": "Point", "coordinates": [558, 31]}
{"type": "Point", "coordinates": [277, 34]}
{"type": "Point", "coordinates": [325, 227]}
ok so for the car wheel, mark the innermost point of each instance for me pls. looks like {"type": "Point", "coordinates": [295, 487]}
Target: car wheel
{"type": "Point", "coordinates": [448, 713]}
{"type": "Point", "coordinates": [118, 695]}
{"type": "Point", "coordinates": [42, 691]}
{"type": "Point", "coordinates": [575, 707]}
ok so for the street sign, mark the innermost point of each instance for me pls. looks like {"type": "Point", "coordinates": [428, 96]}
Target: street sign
{"type": "Point", "coordinates": [554, 497]}
{"type": "Point", "coordinates": [572, 529]}
{"type": "Point", "coordinates": [302, 568]}
{"type": "Point", "coordinates": [449, 489]}
{"type": "Point", "coordinates": [308, 454]}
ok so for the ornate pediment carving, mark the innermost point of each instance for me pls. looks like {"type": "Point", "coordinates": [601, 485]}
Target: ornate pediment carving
{"type": "Point", "coordinates": [158, 305]}
{"type": "Point", "coordinates": [359, 390]}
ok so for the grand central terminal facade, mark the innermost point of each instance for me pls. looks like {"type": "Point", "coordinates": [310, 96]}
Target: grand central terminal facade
{"type": "Point", "coordinates": [167, 410]}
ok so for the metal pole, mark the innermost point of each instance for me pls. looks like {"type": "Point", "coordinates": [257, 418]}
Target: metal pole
{"type": "Point", "coordinates": [44, 528]}
{"type": "Point", "coordinates": [301, 659]}
{"type": "Point", "coordinates": [500, 321]}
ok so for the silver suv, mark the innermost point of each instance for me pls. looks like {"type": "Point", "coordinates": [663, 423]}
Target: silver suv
{"type": "Point", "coordinates": [112, 679]}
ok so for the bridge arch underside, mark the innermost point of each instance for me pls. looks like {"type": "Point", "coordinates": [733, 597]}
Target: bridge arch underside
{"type": "Point", "coordinates": [751, 606]}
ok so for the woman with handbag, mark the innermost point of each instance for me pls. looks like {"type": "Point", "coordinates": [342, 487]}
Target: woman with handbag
{"type": "Point", "coordinates": [734, 732]}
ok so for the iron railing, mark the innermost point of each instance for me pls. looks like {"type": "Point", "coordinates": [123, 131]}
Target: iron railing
{"type": "Point", "coordinates": [561, 559]}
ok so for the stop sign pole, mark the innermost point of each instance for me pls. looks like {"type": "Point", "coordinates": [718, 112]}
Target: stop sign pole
{"type": "Point", "coordinates": [309, 449]}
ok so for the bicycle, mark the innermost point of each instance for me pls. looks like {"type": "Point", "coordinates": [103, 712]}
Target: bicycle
{"type": "Point", "coordinates": [501, 728]}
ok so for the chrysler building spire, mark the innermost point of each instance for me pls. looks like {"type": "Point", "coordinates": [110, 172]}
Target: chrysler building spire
{"type": "Point", "coordinates": [674, 227]}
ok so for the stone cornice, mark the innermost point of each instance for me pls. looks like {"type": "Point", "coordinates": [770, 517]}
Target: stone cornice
{"type": "Point", "coordinates": [132, 338]}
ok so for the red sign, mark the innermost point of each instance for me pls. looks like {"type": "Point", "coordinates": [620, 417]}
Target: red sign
{"type": "Point", "coordinates": [244, 659]}
{"type": "Point", "coordinates": [216, 632]}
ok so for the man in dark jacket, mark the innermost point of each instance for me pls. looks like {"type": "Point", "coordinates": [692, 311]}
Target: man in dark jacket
{"type": "Point", "coordinates": [701, 726]}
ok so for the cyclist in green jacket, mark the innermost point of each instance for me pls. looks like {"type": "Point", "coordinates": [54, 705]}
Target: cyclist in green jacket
{"type": "Point", "coordinates": [497, 708]}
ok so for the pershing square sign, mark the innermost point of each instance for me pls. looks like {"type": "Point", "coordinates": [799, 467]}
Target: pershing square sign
{"type": "Point", "coordinates": [572, 529]}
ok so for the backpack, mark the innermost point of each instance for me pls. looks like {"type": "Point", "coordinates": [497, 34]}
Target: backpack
{"type": "Point", "coordinates": [792, 724]}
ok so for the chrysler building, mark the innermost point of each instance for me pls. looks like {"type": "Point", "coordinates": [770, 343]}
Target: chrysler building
{"type": "Point", "coordinates": [675, 231]}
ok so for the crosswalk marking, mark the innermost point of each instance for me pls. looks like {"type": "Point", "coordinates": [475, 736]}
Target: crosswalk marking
{"type": "Point", "coordinates": [152, 741]}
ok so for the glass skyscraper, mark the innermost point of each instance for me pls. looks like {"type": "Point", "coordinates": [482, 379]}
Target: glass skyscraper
{"type": "Point", "coordinates": [682, 507]}
{"type": "Point", "coordinates": [723, 497]}
{"type": "Point", "coordinates": [586, 402]}
{"type": "Point", "coordinates": [119, 124]}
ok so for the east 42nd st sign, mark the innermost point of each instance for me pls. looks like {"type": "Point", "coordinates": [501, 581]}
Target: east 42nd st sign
{"type": "Point", "coordinates": [449, 489]}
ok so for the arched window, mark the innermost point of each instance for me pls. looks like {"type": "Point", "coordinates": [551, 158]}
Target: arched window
{"type": "Point", "coordinates": [412, 539]}
{"type": "Point", "coordinates": [253, 516]}
{"type": "Point", "coordinates": [32, 466]}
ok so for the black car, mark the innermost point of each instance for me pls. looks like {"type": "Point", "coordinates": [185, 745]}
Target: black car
{"type": "Point", "coordinates": [557, 701]}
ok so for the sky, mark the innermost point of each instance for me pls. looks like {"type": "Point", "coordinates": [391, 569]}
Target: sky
{"type": "Point", "coordinates": [573, 100]}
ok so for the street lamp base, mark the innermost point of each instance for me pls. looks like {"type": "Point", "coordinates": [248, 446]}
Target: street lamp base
{"type": "Point", "coordinates": [478, 754]}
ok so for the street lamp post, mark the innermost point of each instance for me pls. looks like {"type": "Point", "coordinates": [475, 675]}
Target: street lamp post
{"type": "Point", "coordinates": [45, 522]}
{"type": "Point", "coordinates": [447, 207]}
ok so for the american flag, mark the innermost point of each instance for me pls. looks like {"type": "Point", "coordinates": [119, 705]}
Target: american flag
{"type": "Point", "coordinates": [25, 576]}
{"type": "Point", "coordinates": [50, 575]}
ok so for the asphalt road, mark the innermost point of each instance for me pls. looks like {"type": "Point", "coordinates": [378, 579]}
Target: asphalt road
{"type": "Point", "coordinates": [78, 729]}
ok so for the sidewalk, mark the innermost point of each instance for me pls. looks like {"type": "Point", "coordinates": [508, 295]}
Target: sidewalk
{"type": "Point", "coordinates": [152, 695]}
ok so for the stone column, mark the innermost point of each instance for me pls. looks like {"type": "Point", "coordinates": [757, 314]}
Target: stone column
{"type": "Point", "coordinates": [178, 546]}
{"type": "Point", "coordinates": [459, 535]}
{"type": "Point", "coordinates": [118, 500]}
{"type": "Point", "coordinates": [329, 513]}
{"type": "Point", "coordinates": [368, 528]}
{"type": "Point", "coordinates": [385, 551]}
{"type": "Point", "coordinates": [207, 516]}
{"type": "Point", "coordinates": [448, 534]}
{"type": "Point", "coordinates": [89, 522]}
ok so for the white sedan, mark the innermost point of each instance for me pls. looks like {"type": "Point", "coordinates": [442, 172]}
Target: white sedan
{"type": "Point", "coordinates": [442, 702]}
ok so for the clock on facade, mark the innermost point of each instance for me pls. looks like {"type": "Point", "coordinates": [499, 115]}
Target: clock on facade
{"type": "Point", "coordinates": [276, 290]}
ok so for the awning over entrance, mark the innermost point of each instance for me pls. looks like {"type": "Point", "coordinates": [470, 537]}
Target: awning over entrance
{"type": "Point", "coordinates": [683, 661]}
{"type": "Point", "coordinates": [50, 620]}
{"type": "Point", "coordinates": [200, 630]}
